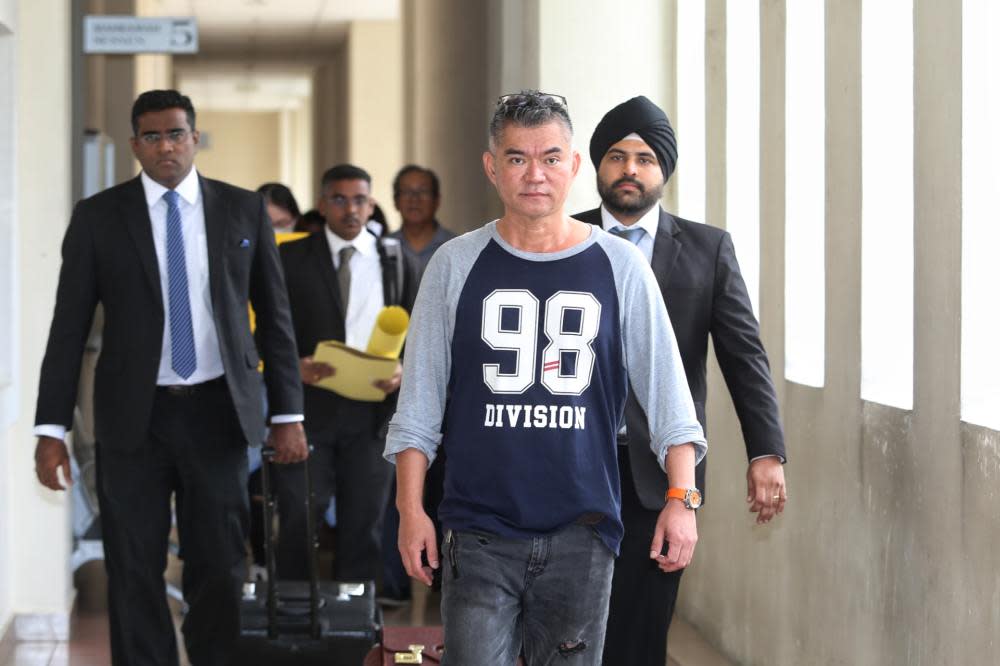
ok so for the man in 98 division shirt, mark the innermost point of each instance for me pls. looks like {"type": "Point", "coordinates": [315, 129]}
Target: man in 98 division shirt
{"type": "Point", "coordinates": [526, 336]}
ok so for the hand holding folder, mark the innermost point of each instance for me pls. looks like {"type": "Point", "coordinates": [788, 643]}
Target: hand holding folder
{"type": "Point", "coordinates": [356, 371]}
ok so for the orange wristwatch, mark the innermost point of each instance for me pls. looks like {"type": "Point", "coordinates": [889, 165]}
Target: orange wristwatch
{"type": "Point", "coordinates": [690, 496]}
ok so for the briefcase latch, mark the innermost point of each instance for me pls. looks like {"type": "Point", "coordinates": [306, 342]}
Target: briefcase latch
{"type": "Point", "coordinates": [414, 656]}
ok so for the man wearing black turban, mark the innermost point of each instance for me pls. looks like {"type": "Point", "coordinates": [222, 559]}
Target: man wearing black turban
{"type": "Point", "coordinates": [634, 151]}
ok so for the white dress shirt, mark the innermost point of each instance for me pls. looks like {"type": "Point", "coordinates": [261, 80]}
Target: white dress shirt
{"type": "Point", "coordinates": [206, 339]}
{"type": "Point", "coordinates": [366, 299]}
{"type": "Point", "coordinates": [650, 221]}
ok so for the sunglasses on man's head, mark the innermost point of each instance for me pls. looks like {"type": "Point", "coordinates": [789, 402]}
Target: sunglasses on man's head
{"type": "Point", "coordinates": [522, 99]}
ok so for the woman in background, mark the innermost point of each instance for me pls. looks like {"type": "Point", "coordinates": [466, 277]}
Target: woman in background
{"type": "Point", "coordinates": [281, 207]}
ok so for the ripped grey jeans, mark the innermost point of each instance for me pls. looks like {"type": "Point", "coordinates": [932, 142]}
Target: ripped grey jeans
{"type": "Point", "coordinates": [547, 596]}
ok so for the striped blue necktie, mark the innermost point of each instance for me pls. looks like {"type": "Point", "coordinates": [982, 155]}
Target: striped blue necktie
{"type": "Point", "coordinates": [182, 353]}
{"type": "Point", "coordinates": [631, 234]}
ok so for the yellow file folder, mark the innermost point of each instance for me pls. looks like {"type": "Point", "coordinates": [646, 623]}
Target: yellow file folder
{"type": "Point", "coordinates": [356, 369]}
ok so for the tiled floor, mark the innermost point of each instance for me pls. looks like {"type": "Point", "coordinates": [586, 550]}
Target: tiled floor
{"type": "Point", "coordinates": [89, 646]}
{"type": "Point", "coordinates": [89, 643]}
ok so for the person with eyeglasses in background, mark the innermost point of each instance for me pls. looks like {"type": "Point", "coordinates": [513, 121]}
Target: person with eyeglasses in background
{"type": "Point", "coordinates": [525, 338]}
{"type": "Point", "coordinates": [174, 258]}
{"type": "Point", "coordinates": [338, 281]}
{"type": "Point", "coordinates": [416, 192]}
{"type": "Point", "coordinates": [282, 208]}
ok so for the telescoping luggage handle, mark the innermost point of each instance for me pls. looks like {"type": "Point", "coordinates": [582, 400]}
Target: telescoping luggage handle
{"type": "Point", "coordinates": [272, 593]}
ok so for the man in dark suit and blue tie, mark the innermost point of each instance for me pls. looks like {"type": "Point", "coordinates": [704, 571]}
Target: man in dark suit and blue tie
{"type": "Point", "coordinates": [174, 258]}
{"type": "Point", "coordinates": [634, 151]}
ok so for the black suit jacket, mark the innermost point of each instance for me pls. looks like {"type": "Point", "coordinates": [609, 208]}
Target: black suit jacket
{"type": "Point", "coordinates": [318, 314]}
{"type": "Point", "coordinates": [109, 257]}
{"type": "Point", "coordinates": [695, 266]}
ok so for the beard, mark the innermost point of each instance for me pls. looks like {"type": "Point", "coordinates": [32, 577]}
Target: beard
{"type": "Point", "coordinates": [628, 203]}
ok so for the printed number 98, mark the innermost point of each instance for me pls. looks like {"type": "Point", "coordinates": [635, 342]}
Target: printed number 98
{"type": "Point", "coordinates": [571, 321]}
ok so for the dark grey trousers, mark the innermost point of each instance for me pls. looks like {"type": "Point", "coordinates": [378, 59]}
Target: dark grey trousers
{"type": "Point", "coordinates": [546, 597]}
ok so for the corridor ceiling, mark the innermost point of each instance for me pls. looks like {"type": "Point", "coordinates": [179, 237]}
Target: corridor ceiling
{"type": "Point", "coordinates": [254, 27]}
{"type": "Point", "coordinates": [258, 55]}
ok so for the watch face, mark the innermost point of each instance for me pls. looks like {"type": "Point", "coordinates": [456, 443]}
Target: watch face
{"type": "Point", "coordinates": [694, 498]}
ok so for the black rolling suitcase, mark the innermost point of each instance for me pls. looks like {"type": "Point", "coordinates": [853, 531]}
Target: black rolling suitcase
{"type": "Point", "coordinates": [291, 622]}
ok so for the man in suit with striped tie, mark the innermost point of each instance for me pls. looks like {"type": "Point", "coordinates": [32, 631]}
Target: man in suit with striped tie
{"type": "Point", "coordinates": [174, 258]}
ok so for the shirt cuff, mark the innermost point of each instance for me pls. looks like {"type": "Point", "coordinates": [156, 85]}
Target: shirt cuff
{"type": "Point", "coordinates": [287, 418]}
{"type": "Point", "coordinates": [50, 430]}
{"type": "Point", "coordinates": [770, 455]}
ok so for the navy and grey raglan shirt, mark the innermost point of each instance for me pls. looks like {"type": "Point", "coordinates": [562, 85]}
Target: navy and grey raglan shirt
{"type": "Point", "coordinates": [518, 363]}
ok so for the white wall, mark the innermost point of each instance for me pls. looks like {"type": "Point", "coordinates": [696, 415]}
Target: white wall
{"type": "Point", "coordinates": [8, 355]}
{"type": "Point", "coordinates": [243, 147]}
{"type": "Point", "coordinates": [296, 147]}
{"type": "Point", "coordinates": [375, 103]}
{"type": "Point", "coordinates": [34, 571]}
{"type": "Point", "coordinates": [153, 71]}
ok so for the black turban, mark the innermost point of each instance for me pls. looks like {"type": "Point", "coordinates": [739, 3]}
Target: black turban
{"type": "Point", "coordinates": [641, 116]}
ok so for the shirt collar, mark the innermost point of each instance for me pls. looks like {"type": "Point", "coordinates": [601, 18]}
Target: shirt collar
{"type": "Point", "coordinates": [650, 221]}
{"type": "Point", "coordinates": [364, 243]}
{"type": "Point", "coordinates": [189, 189]}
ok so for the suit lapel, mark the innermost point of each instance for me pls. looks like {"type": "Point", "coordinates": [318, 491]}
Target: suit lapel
{"type": "Point", "coordinates": [216, 216]}
{"type": "Point", "coordinates": [323, 261]}
{"type": "Point", "coordinates": [135, 212]}
{"type": "Point", "coordinates": [666, 247]}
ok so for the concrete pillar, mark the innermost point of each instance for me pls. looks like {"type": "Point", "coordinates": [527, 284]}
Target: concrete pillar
{"type": "Point", "coordinates": [296, 147]}
{"type": "Point", "coordinates": [296, 151]}
{"type": "Point", "coordinates": [375, 103]}
{"type": "Point", "coordinates": [446, 103]}
{"type": "Point", "coordinates": [937, 286]}
{"type": "Point", "coordinates": [329, 119]}
{"type": "Point", "coordinates": [34, 571]}
{"type": "Point", "coordinates": [9, 329]}
{"type": "Point", "coordinates": [119, 93]}
{"type": "Point", "coordinates": [153, 71]}
{"type": "Point", "coordinates": [301, 167]}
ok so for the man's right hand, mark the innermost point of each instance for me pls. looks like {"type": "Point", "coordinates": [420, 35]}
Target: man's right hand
{"type": "Point", "coordinates": [416, 535]}
{"type": "Point", "coordinates": [314, 371]}
{"type": "Point", "coordinates": [677, 527]}
{"type": "Point", "coordinates": [289, 443]}
{"type": "Point", "coordinates": [51, 454]}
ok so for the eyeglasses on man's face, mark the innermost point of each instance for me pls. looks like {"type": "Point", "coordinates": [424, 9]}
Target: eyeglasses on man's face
{"type": "Point", "coordinates": [421, 195]}
{"type": "Point", "coordinates": [174, 136]}
{"type": "Point", "coordinates": [340, 201]}
{"type": "Point", "coordinates": [522, 99]}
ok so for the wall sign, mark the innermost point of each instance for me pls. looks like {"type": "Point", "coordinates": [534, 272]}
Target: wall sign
{"type": "Point", "coordinates": [134, 34]}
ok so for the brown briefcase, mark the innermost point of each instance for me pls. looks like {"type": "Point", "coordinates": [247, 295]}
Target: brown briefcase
{"type": "Point", "coordinates": [407, 645]}
{"type": "Point", "coordinates": [410, 645]}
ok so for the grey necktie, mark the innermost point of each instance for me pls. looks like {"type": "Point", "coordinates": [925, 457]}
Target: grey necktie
{"type": "Point", "coordinates": [344, 274]}
{"type": "Point", "coordinates": [631, 234]}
